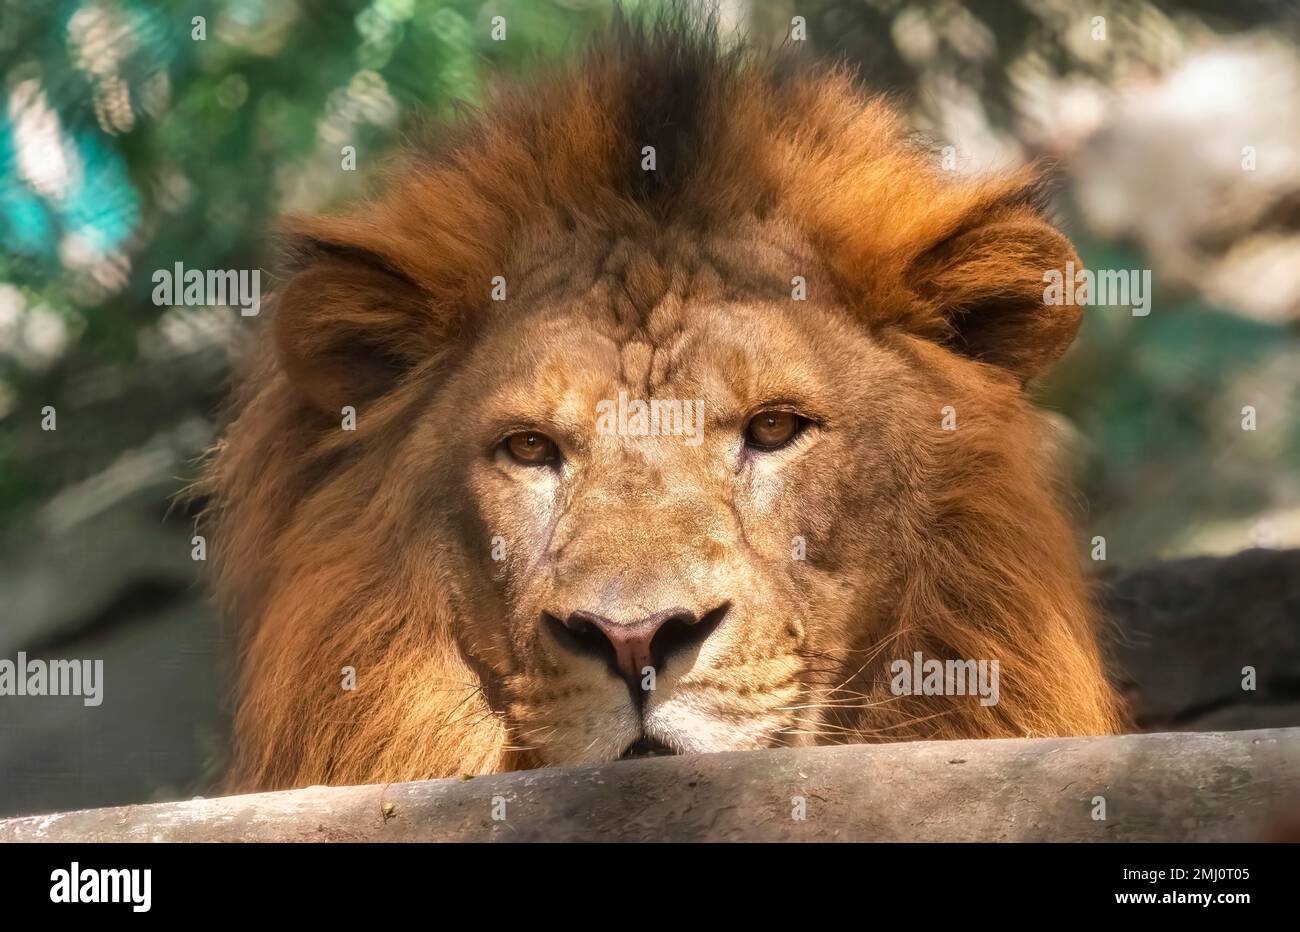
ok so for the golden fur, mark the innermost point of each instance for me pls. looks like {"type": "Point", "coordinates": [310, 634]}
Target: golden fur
{"type": "Point", "coordinates": [373, 548]}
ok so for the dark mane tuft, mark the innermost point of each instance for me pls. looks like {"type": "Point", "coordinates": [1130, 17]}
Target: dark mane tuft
{"type": "Point", "coordinates": [675, 78]}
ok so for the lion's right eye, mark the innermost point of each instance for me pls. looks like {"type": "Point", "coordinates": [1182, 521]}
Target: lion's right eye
{"type": "Point", "coordinates": [531, 448]}
{"type": "Point", "coordinates": [771, 430]}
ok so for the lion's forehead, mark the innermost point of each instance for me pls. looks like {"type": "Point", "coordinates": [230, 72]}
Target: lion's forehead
{"type": "Point", "coordinates": [640, 276]}
{"type": "Point", "coordinates": [671, 326]}
{"type": "Point", "coordinates": [721, 350]}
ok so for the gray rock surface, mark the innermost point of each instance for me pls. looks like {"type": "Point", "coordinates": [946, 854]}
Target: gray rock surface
{"type": "Point", "coordinates": [1183, 631]}
{"type": "Point", "coordinates": [1166, 787]}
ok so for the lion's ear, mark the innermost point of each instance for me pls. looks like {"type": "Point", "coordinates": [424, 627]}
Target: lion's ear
{"type": "Point", "coordinates": [347, 323]}
{"type": "Point", "coordinates": [987, 281]}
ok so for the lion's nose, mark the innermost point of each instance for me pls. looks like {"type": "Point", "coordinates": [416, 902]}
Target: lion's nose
{"type": "Point", "coordinates": [630, 647]}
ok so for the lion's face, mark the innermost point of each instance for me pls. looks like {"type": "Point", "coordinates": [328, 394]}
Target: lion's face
{"type": "Point", "coordinates": [651, 493]}
{"type": "Point", "coordinates": [685, 580]}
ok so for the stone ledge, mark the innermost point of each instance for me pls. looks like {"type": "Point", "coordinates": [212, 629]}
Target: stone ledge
{"type": "Point", "coordinates": [1212, 786]}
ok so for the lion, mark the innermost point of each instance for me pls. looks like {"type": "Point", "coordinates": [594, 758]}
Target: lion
{"type": "Point", "coordinates": [455, 541]}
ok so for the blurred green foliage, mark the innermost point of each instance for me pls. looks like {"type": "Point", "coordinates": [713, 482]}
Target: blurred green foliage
{"type": "Point", "coordinates": [133, 141]}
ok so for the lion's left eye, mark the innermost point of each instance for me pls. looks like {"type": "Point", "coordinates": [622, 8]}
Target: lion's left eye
{"type": "Point", "coordinates": [531, 448]}
{"type": "Point", "coordinates": [769, 430]}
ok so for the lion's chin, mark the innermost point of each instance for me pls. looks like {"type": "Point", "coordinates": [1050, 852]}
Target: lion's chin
{"type": "Point", "coordinates": [646, 747]}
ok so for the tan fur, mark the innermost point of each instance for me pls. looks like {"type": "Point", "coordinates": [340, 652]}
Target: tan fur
{"type": "Point", "coordinates": [372, 549]}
